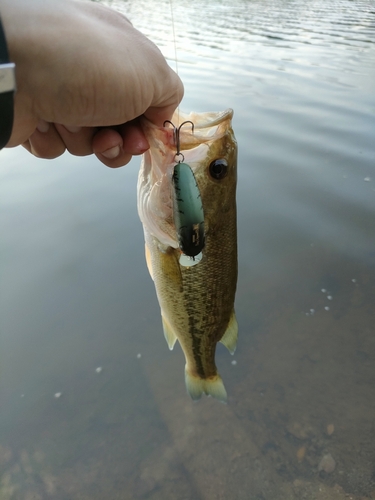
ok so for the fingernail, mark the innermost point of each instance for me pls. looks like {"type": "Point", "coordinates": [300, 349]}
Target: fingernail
{"type": "Point", "coordinates": [42, 126]}
{"type": "Point", "coordinates": [111, 153]}
{"type": "Point", "coordinates": [141, 147]}
{"type": "Point", "coordinates": [73, 130]}
{"type": "Point", "coordinates": [142, 150]}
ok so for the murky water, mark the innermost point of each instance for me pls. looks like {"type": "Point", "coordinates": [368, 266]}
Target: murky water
{"type": "Point", "coordinates": [76, 295]}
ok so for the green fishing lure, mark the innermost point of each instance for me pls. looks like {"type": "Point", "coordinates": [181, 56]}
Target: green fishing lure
{"type": "Point", "coordinates": [187, 207]}
{"type": "Point", "coordinates": [188, 211]}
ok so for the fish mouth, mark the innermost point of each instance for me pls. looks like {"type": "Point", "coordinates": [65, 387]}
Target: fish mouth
{"type": "Point", "coordinates": [207, 127]}
{"type": "Point", "coordinates": [158, 204]}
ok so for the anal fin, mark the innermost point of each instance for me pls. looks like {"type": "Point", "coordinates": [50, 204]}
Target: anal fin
{"type": "Point", "coordinates": [169, 334]}
{"type": "Point", "coordinates": [229, 339]}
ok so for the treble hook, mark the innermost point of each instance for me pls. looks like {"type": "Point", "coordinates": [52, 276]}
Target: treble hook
{"type": "Point", "coordinates": [176, 136]}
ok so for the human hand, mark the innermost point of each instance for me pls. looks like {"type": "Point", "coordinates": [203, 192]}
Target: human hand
{"type": "Point", "coordinates": [84, 75]}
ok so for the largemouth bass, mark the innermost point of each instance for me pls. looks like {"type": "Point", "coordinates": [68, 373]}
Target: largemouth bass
{"type": "Point", "coordinates": [195, 292]}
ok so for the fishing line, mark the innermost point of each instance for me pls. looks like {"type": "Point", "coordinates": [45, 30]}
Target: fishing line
{"type": "Point", "coordinates": [187, 204]}
{"type": "Point", "coordinates": [174, 36]}
{"type": "Point", "coordinates": [175, 53]}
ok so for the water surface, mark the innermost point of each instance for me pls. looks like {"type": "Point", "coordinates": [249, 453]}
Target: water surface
{"type": "Point", "coordinates": [76, 295]}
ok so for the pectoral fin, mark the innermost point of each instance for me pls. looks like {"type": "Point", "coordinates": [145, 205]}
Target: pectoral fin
{"type": "Point", "coordinates": [169, 334]}
{"type": "Point", "coordinates": [229, 339]}
{"type": "Point", "coordinates": [148, 260]}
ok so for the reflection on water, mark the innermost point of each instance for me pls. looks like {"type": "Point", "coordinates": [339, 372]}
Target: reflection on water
{"type": "Point", "coordinates": [75, 294]}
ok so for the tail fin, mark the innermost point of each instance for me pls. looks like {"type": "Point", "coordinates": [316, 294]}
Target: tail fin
{"type": "Point", "coordinates": [212, 386]}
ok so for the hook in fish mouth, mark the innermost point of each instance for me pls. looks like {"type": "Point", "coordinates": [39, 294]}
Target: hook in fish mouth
{"type": "Point", "coordinates": [176, 136]}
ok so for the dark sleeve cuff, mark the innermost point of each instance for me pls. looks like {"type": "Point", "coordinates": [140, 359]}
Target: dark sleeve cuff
{"type": "Point", "coordinates": [7, 86]}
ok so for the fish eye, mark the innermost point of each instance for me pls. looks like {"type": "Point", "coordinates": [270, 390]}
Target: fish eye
{"type": "Point", "coordinates": [218, 168]}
